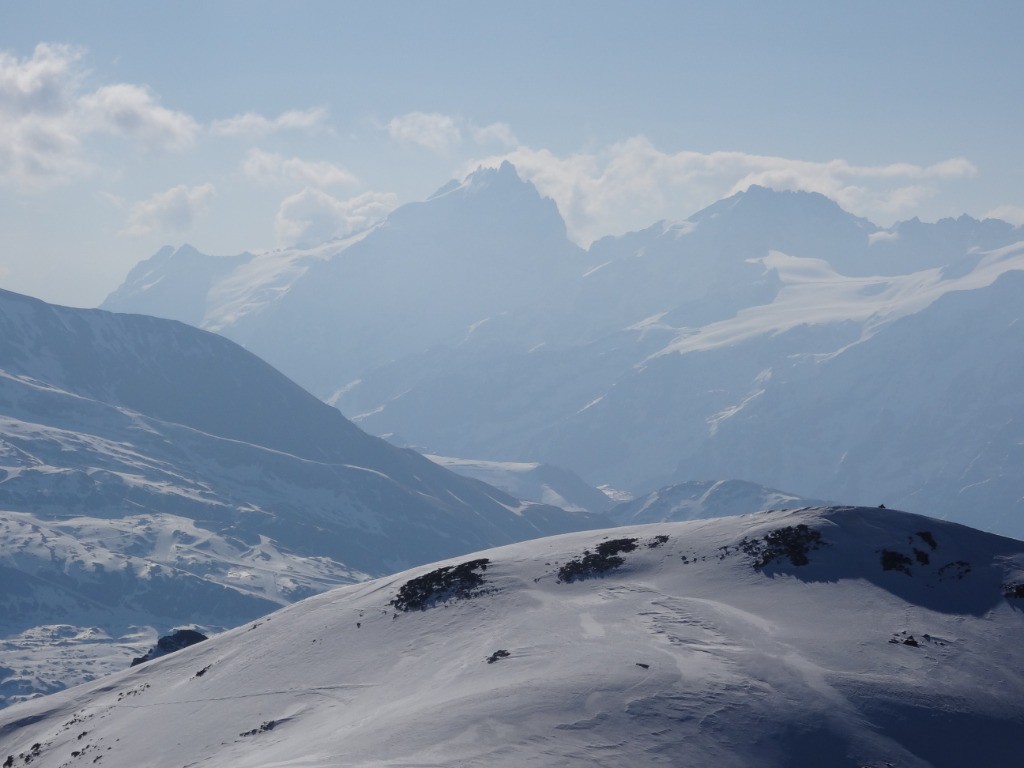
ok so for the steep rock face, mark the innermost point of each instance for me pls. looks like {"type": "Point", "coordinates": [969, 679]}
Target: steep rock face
{"type": "Point", "coordinates": [839, 636]}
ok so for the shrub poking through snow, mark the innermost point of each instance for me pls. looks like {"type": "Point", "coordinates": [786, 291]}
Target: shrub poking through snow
{"type": "Point", "coordinates": [268, 725]}
{"type": "Point", "coordinates": [929, 539]}
{"type": "Point", "coordinates": [895, 561]}
{"type": "Point", "coordinates": [1013, 590]}
{"type": "Point", "coordinates": [596, 563]}
{"type": "Point", "coordinates": [452, 582]}
{"type": "Point", "coordinates": [793, 542]}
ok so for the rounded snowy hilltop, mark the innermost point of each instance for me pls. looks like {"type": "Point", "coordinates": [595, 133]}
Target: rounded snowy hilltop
{"type": "Point", "coordinates": [828, 636]}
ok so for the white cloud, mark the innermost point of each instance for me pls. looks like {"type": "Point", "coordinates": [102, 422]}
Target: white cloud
{"type": "Point", "coordinates": [269, 167]}
{"type": "Point", "coordinates": [131, 111]}
{"type": "Point", "coordinates": [441, 133]}
{"type": "Point", "coordinates": [45, 117]}
{"type": "Point", "coordinates": [1014, 214]}
{"type": "Point", "coordinates": [38, 144]}
{"type": "Point", "coordinates": [495, 133]}
{"type": "Point", "coordinates": [312, 216]}
{"type": "Point", "coordinates": [630, 184]}
{"type": "Point", "coordinates": [41, 84]}
{"type": "Point", "coordinates": [433, 131]}
{"type": "Point", "coordinates": [172, 211]}
{"type": "Point", "coordinates": [254, 124]}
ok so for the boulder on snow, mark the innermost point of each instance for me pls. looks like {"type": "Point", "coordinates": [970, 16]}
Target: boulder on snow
{"type": "Point", "coordinates": [178, 639]}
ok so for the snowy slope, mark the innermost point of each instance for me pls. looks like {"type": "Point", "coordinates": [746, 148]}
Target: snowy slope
{"type": "Point", "coordinates": [699, 499]}
{"type": "Point", "coordinates": [839, 637]}
{"type": "Point", "coordinates": [532, 481]}
{"type": "Point", "coordinates": [153, 475]}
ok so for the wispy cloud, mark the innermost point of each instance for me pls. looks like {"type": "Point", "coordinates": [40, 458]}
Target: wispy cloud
{"type": "Point", "coordinates": [312, 216]}
{"type": "Point", "coordinates": [269, 167]}
{"type": "Point", "coordinates": [256, 125]}
{"type": "Point", "coordinates": [38, 144]}
{"type": "Point", "coordinates": [433, 131]}
{"type": "Point", "coordinates": [630, 184]}
{"type": "Point", "coordinates": [45, 116]}
{"type": "Point", "coordinates": [172, 211]}
{"type": "Point", "coordinates": [1014, 214]}
{"type": "Point", "coordinates": [442, 133]}
{"type": "Point", "coordinates": [132, 111]}
{"type": "Point", "coordinates": [495, 134]}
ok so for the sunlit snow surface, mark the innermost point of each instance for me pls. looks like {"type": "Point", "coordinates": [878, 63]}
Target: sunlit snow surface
{"type": "Point", "coordinates": [814, 293]}
{"type": "Point", "coordinates": [686, 654]}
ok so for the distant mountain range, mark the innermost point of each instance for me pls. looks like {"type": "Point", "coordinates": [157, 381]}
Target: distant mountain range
{"type": "Point", "coordinates": [772, 338]}
{"type": "Point", "coordinates": [154, 475]}
{"type": "Point", "coordinates": [840, 637]}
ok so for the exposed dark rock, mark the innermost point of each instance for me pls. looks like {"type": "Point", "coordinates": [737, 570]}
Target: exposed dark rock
{"type": "Point", "coordinates": [641, 664]}
{"type": "Point", "coordinates": [956, 569]}
{"type": "Point", "coordinates": [895, 561]}
{"type": "Point", "coordinates": [928, 539]}
{"type": "Point", "coordinates": [596, 563]}
{"type": "Point", "coordinates": [501, 653]}
{"type": "Point", "coordinates": [452, 582]}
{"type": "Point", "coordinates": [657, 541]}
{"type": "Point", "coordinates": [921, 556]}
{"type": "Point", "coordinates": [264, 727]}
{"type": "Point", "coordinates": [793, 542]}
{"type": "Point", "coordinates": [1013, 590]}
{"type": "Point", "coordinates": [180, 638]}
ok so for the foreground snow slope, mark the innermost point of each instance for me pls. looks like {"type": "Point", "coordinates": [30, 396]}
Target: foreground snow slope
{"type": "Point", "coordinates": [896, 644]}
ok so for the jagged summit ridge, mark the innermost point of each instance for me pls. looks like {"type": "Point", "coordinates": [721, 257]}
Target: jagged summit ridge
{"type": "Point", "coordinates": [659, 356]}
{"type": "Point", "coordinates": [495, 198]}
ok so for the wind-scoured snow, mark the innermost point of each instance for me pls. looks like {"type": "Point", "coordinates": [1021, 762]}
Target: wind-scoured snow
{"type": "Point", "coordinates": [839, 637]}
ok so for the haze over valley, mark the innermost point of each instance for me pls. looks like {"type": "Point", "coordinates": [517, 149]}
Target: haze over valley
{"type": "Point", "coordinates": [454, 384]}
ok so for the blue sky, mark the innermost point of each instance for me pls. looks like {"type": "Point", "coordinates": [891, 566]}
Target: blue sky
{"type": "Point", "coordinates": [255, 125]}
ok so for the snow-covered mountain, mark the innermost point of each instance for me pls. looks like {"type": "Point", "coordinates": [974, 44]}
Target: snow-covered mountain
{"type": "Point", "coordinates": [534, 482]}
{"type": "Point", "coordinates": [484, 258]}
{"type": "Point", "coordinates": [153, 475]}
{"type": "Point", "coordinates": [839, 637]}
{"type": "Point", "coordinates": [472, 327]}
{"type": "Point", "coordinates": [699, 499]}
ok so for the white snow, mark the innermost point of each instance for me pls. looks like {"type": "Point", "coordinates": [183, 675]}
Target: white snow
{"type": "Point", "coordinates": [815, 293]}
{"type": "Point", "coordinates": [685, 655]}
